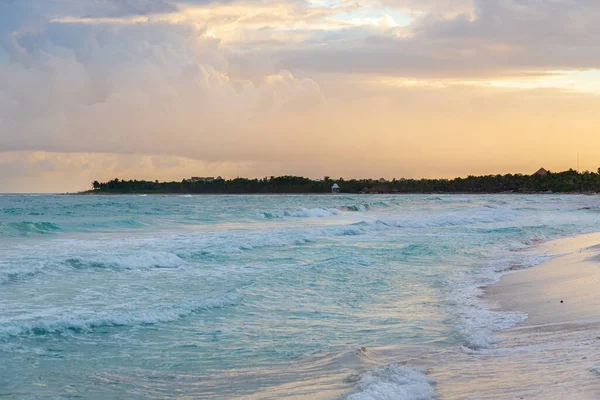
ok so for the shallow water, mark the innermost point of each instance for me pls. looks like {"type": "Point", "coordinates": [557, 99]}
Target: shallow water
{"type": "Point", "coordinates": [256, 296]}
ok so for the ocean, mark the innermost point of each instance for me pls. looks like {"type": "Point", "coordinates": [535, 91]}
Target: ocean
{"type": "Point", "coordinates": [222, 297]}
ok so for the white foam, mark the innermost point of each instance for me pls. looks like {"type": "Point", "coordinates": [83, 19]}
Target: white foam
{"type": "Point", "coordinates": [157, 259]}
{"type": "Point", "coordinates": [66, 321]}
{"type": "Point", "coordinates": [455, 218]}
{"type": "Point", "coordinates": [394, 382]}
{"type": "Point", "coordinates": [139, 260]}
{"type": "Point", "coordinates": [302, 213]}
{"type": "Point", "coordinates": [322, 212]}
{"type": "Point", "coordinates": [475, 322]}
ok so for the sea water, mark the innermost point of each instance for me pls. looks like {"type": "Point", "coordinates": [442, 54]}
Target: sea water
{"type": "Point", "coordinates": [328, 296]}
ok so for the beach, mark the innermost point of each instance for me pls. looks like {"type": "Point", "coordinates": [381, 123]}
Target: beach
{"type": "Point", "coordinates": [555, 352]}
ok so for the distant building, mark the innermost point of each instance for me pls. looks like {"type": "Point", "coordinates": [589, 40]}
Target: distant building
{"type": "Point", "coordinates": [382, 180]}
{"type": "Point", "coordinates": [541, 172]}
{"type": "Point", "coordinates": [335, 188]}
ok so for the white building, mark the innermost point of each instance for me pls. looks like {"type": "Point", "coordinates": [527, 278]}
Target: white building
{"type": "Point", "coordinates": [335, 188]}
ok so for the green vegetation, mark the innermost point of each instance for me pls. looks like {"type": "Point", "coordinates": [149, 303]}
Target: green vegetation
{"type": "Point", "coordinates": [561, 182]}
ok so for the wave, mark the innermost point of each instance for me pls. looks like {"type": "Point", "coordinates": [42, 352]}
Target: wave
{"type": "Point", "coordinates": [589, 208]}
{"type": "Point", "coordinates": [344, 260]}
{"type": "Point", "coordinates": [320, 212]}
{"type": "Point", "coordinates": [140, 260]}
{"type": "Point", "coordinates": [339, 263]}
{"type": "Point", "coordinates": [11, 211]}
{"type": "Point", "coordinates": [80, 255]}
{"type": "Point", "coordinates": [474, 322]}
{"type": "Point", "coordinates": [365, 206]}
{"type": "Point", "coordinates": [239, 242]}
{"type": "Point", "coordinates": [457, 218]}
{"type": "Point", "coordinates": [394, 382]}
{"type": "Point", "coordinates": [85, 323]}
{"type": "Point", "coordinates": [15, 275]}
{"type": "Point", "coordinates": [126, 223]}
{"type": "Point", "coordinates": [28, 228]}
{"type": "Point", "coordinates": [207, 245]}
{"type": "Point", "coordinates": [301, 213]}
{"type": "Point", "coordinates": [420, 249]}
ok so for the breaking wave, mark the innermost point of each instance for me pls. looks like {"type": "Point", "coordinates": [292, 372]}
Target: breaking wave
{"type": "Point", "coordinates": [15, 275]}
{"type": "Point", "coordinates": [140, 260]}
{"type": "Point", "coordinates": [320, 212]}
{"type": "Point", "coordinates": [475, 323]}
{"type": "Point", "coordinates": [365, 206]}
{"type": "Point", "coordinates": [393, 382]}
{"type": "Point", "coordinates": [71, 322]}
{"type": "Point", "coordinates": [457, 218]}
{"type": "Point", "coordinates": [28, 228]}
{"type": "Point", "coordinates": [240, 242]}
{"type": "Point", "coordinates": [301, 213]}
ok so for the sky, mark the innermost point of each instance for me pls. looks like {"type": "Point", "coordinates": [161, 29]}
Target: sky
{"type": "Point", "coordinates": [168, 89]}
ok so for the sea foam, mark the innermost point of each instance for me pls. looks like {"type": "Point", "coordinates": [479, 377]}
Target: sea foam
{"type": "Point", "coordinates": [393, 382]}
{"type": "Point", "coordinates": [475, 322]}
{"type": "Point", "coordinates": [65, 322]}
{"type": "Point", "coordinates": [322, 212]}
{"type": "Point", "coordinates": [301, 213]}
{"type": "Point", "coordinates": [139, 260]}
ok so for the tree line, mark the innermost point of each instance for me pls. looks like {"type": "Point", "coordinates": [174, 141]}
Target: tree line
{"type": "Point", "coordinates": [558, 182]}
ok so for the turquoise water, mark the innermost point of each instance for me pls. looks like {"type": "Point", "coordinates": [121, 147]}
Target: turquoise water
{"type": "Point", "coordinates": [259, 296]}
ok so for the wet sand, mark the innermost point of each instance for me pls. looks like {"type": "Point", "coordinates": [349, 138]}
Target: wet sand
{"type": "Point", "coordinates": [573, 278]}
{"type": "Point", "coordinates": [555, 353]}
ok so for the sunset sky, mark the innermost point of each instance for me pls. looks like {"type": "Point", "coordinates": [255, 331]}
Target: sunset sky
{"type": "Point", "coordinates": [166, 89]}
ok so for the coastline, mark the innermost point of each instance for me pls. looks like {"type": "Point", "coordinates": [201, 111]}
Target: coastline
{"type": "Point", "coordinates": [92, 193]}
{"type": "Point", "coordinates": [561, 290]}
{"type": "Point", "coordinates": [555, 352]}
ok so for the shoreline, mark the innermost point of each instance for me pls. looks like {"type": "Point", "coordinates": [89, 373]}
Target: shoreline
{"type": "Point", "coordinates": [559, 290]}
{"type": "Point", "coordinates": [555, 352]}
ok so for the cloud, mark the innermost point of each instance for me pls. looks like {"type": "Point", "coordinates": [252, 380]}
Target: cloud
{"type": "Point", "coordinates": [291, 86]}
{"type": "Point", "coordinates": [24, 172]}
{"type": "Point", "coordinates": [136, 91]}
{"type": "Point", "coordinates": [498, 38]}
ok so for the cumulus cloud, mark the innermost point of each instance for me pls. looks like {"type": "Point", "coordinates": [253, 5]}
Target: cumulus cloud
{"type": "Point", "coordinates": [292, 87]}
{"type": "Point", "coordinates": [160, 100]}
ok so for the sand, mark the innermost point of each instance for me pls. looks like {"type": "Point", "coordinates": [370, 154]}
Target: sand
{"type": "Point", "coordinates": [555, 353]}
{"type": "Point", "coordinates": [573, 278]}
